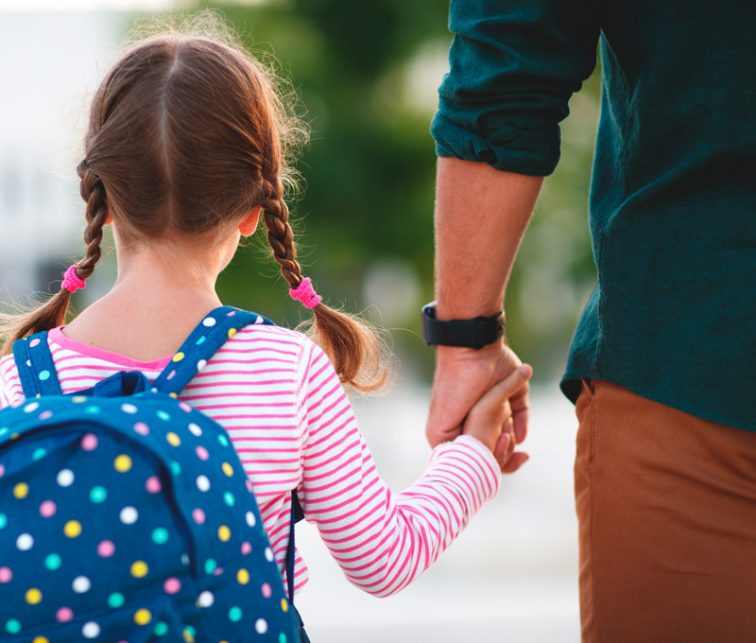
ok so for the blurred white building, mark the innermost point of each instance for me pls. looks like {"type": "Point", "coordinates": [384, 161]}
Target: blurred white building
{"type": "Point", "coordinates": [50, 62]}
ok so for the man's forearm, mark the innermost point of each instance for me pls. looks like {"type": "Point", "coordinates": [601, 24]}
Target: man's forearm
{"type": "Point", "coordinates": [481, 217]}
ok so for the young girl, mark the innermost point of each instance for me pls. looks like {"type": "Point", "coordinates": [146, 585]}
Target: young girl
{"type": "Point", "coordinates": [184, 153]}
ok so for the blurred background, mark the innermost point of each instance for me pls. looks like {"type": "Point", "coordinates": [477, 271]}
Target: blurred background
{"type": "Point", "coordinates": [366, 74]}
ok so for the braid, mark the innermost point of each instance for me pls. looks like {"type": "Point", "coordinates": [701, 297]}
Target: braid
{"type": "Point", "coordinates": [53, 312]}
{"type": "Point", "coordinates": [280, 234]}
{"type": "Point", "coordinates": [92, 190]}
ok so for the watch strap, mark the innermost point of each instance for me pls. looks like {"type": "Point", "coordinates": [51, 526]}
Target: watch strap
{"type": "Point", "coordinates": [471, 333]}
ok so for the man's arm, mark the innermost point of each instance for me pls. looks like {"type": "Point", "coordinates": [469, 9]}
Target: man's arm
{"type": "Point", "coordinates": [481, 217]}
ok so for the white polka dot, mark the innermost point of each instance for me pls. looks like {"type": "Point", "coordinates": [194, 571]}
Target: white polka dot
{"type": "Point", "coordinates": [205, 599]}
{"type": "Point", "coordinates": [184, 559]}
{"type": "Point", "coordinates": [81, 584]}
{"type": "Point", "coordinates": [201, 364]}
{"type": "Point", "coordinates": [25, 542]}
{"type": "Point", "coordinates": [195, 430]}
{"type": "Point", "coordinates": [129, 515]}
{"type": "Point", "coordinates": [129, 408]}
{"type": "Point", "coordinates": [269, 554]}
{"type": "Point", "coordinates": [91, 630]}
{"type": "Point", "coordinates": [65, 477]}
{"type": "Point", "coordinates": [208, 321]}
{"type": "Point", "coordinates": [30, 408]}
{"type": "Point", "coordinates": [259, 320]}
{"type": "Point", "coordinates": [203, 483]}
{"type": "Point", "coordinates": [251, 520]}
{"type": "Point", "coordinates": [261, 626]}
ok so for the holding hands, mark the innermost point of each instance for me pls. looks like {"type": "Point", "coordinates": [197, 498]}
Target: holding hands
{"type": "Point", "coordinates": [483, 393]}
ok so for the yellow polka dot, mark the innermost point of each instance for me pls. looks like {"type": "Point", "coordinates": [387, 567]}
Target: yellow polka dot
{"type": "Point", "coordinates": [284, 605]}
{"type": "Point", "coordinates": [72, 528]}
{"type": "Point", "coordinates": [178, 357]}
{"type": "Point", "coordinates": [40, 639]}
{"type": "Point", "coordinates": [173, 439]}
{"type": "Point", "coordinates": [224, 533]}
{"type": "Point", "coordinates": [227, 469]}
{"type": "Point", "coordinates": [242, 576]}
{"type": "Point", "coordinates": [231, 332]}
{"type": "Point", "coordinates": [33, 596]}
{"type": "Point", "coordinates": [173, 395]}
{"type": "Point", "coordinates": [142, 616]}
{"type": "Point", "coordinates": [15, 436]}
{"type": "Point", "coordinates": [139, 569]}
{"type": "Point", "coordinates": [188, 637]}
{"type": "Point", "coordinates": [21, 490]}
{"type": "Point", "coordinates": [122, 463]}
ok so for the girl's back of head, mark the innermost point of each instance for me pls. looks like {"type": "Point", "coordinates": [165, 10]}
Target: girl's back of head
{"type": "Point", "coordinates": [186, 135]}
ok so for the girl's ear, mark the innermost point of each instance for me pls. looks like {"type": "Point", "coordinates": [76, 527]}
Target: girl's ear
{"type": "Point", "coordinates": [248, 224]}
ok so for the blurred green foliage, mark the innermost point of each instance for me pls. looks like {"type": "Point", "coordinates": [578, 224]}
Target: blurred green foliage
{"type": "Point", "coordinates": [366, 74]}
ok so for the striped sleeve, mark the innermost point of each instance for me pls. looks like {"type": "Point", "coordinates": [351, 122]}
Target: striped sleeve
{"type": "Point", "coordinates": [381, 540]}
{"type": "Point", "coordinates": [10, 387]}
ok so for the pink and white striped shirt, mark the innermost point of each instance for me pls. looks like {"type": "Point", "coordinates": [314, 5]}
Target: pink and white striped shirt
{"type": "Point", "coordinates": [279, 398]}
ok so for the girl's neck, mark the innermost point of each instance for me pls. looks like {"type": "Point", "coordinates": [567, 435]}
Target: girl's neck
{"type": "Point", "coordinates": [155, 302]}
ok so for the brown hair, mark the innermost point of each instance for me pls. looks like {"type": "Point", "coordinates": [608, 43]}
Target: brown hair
{"type": "Point", "coordinates": [188, 133]}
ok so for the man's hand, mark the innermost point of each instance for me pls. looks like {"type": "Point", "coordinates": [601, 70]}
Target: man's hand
{"type": "Point", "coordinates": [463, 376]}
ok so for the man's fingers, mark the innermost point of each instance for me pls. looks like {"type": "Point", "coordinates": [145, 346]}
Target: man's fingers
{"type": "Point", "coordinates": [515, 462]}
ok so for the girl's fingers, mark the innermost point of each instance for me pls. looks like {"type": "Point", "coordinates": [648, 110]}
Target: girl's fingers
{"type": "Point", "coordinates": [492, 403]}
{"type": "Point", "coordinates": [503, 449]}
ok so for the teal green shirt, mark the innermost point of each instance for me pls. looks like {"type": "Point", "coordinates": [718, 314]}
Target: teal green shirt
{"type": "Point", "coordinates": [673, 195]}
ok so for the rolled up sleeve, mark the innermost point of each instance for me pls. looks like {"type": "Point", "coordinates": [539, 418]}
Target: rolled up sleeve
{"type": "Point", "coordinates": [513, 67]}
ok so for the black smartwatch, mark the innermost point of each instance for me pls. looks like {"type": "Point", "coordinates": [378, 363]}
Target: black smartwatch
{"type": "Point", "coordinates": [471, 333]}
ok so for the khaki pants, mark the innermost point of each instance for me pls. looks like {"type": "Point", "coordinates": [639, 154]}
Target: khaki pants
{"type": "Point", "coordinates": [666, 504]}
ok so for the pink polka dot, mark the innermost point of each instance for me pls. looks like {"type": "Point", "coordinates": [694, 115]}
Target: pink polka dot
{"type": "Point", "coordinates": [185, 407]}
{"type": "Point", "coordinates": [218, 571]}
{"type": "Point", "coordinates": [5, 574]}
{"type": "Point", "coordinates": [172, 585]}
{"type": "Point", "coordinates": [89, 442]}
{"type": "Point", "coordinates": [246, 548]}
{"type": "Point", "coordinates": [34, 342]}
{"type": "Point", "coordinates": [202, 453]}
{"type": "Point", "coordinates": [171, 375]}
{"type": "Point", "coordinates": [249, 486]}
{"type": "Point", "coordinates": [199, 516]}
{"type": "Point", "coordinates": [2, 470]}
{"type": "Point", "coordinates": [64, 614]}
{"type": "Point", "coordinates": [45, 415]}
{"type": "Point", "coordinates": [231, 314]}
{"type": "Point", "coordinates": [141, 428]}
{"type": "Point", "coordinates": [153, 484]}
{"type": "Point", "coordinates": [267, 592]}
{"type": "Point", "coordinates": [47, 509]}
{"type": "Point", "coordinates": [106, 548]}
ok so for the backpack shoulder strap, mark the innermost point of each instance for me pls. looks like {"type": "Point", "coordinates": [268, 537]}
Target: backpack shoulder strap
{"type": "Point", "coordinates": [35, 365]}
{"type": "Point", "coordinates": [209, 335]}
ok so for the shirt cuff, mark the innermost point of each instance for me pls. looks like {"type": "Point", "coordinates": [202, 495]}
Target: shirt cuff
{"type": "Point", "coordinates": [481, 467]}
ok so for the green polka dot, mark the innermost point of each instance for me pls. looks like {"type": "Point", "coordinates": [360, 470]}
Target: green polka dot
{"type": "Point", "coordinates": [52, 562]}
{"type": "Point", "coordinates": [3, 521]}
{"type": "Point", "coordinates": [175, 468]}
{"type": "Point", "coordinates": [92, 410]}
{"type": "Point", "coordinates": [201, 340]}
{"type": "Point", "coordinates": [163, 415]}
{"type": "Point", "coordinates": [12, 626]}
{"type": "Point", "coordinates": [98, 494]}
{"type": "Point", "coordinates": [229, 499]}
{"type": "Point", "coordinates": [210, 566]}
{"type": "Point", "coordinates": [160, 536]}
{"type": "Point", "coordinates": [161, 629]}
{"type": "Point", "coordinates": [39, 453]}
{"type": "Point", "coordinates": [190, 631]}
{"type": "Point", "coordinates": [235, 614]}
{"type": "Point", "coordinates": [282, 638]}
{"type": "Point", "coordinates": [44, 375]}
{"type": "Point", "coordinates": [223, 440]}
{"type": "Point", "coordinates": [116, 600]}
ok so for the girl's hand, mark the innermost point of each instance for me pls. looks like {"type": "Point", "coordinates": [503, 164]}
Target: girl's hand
{"type": "Point", "coordinates": [490, 419]}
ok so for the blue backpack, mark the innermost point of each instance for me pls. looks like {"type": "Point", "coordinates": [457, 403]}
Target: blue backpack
{"type": "Point", "coordinates": [125, 514]}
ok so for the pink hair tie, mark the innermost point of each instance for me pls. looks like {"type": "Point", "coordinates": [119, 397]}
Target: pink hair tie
{"type": "Point", "coordinates": [71, 280]}
{"type": "Point", "coordinates": [305, 293]}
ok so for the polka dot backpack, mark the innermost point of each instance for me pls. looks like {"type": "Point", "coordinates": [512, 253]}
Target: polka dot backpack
{"type": "Point", "coordinates": [125, 514]}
